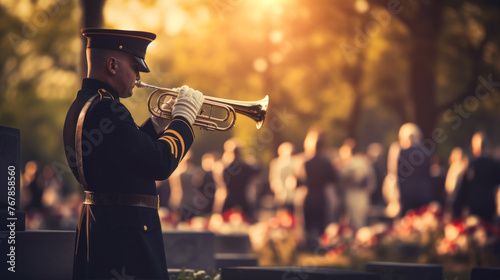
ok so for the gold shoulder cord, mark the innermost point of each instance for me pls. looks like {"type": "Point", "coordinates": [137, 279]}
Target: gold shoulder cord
{"type": "Point", "coordinates": [78, 141]}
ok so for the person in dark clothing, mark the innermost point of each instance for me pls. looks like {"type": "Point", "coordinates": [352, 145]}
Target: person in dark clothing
{"type": "Point", "coordinates": [319, 175]}
{"type": "Point", "coordinates": [189, 178]}
{"type": "Point", "coordinates": [414, 178]}
{"type": "Point", "coordinates": [209, 184]}
{"type": "Point", "coordinates": [117, 162]}
{"type": "Point", "coordinates": [477, 191]}
{"type": "Point", "coordinates": [373, 153]}
{"type": "Point", "coordinates": [239, 179]}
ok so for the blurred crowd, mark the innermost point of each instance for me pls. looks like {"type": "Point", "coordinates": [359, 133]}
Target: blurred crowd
{"type": "Point", "coordinates": [47, 202]}
{"type": "Point", "coordinates": [320, 185]}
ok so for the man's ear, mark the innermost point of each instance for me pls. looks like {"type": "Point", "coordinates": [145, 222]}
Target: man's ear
{"type": "Point", "coordinates": [111, 64]}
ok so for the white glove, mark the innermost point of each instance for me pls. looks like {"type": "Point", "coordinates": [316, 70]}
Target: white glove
{"type": "Point", "coordinates": [188, 104]}
{"type": "Point", "coordinates": [160, 124]}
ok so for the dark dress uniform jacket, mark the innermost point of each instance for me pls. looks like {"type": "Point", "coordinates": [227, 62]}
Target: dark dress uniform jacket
{"type": "Point", "coordinates": [120, 157]}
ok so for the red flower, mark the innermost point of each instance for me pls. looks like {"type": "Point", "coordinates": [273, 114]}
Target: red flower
{"type": "Point", "coordinates": [234, 214]}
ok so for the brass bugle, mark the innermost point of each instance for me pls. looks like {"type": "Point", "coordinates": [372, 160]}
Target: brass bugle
{"type": "Point", "coordinates": [159, 106]}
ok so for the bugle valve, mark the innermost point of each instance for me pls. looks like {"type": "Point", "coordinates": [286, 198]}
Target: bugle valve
{"type": "Point", "coordinates": [159, 106]}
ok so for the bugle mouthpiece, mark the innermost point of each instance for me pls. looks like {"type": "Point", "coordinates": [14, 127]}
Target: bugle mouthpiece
{"type": "Point", "coordinates": [139, 84]}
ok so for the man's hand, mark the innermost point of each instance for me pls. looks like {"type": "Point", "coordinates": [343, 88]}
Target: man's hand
{"type": "Point", "coordinates": [160, 124]}
{"type": "Point", "coordinates": [188, 104]}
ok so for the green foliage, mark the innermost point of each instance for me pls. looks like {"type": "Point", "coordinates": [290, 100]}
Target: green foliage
{"type": "Point", "coordinates": [193, 275]}
{"type": "Point", "coordinates": [316, 60]}
{"type": "Point", "coordinates": [38, 73]}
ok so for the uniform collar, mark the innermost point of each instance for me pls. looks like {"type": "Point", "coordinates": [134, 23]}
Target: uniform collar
{"type": "Point", "coordinates": [95, 85]}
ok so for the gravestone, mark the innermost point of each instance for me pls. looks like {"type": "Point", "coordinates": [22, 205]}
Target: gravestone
{"type": "Point", "coordinates": [48, 254]}
{"type": "Point", "coordinates": [189, 249]}
{"type": "Point", "coordinates": [232, 243]}
{"type": "Point", "coordinates": [11, 218]}
{"type": "Point", "coordinates": [232, 259]}
{"type": "Point", "coordinates": [281, 273]}
{"type": "Point", "coordinates": [485, 273]}
{"type": "Point", "coordinates": [42, 254]}
{"type": "Point", "coordinates": [234, 250]}
{"type": "Point", "coordinates": [406, 271]}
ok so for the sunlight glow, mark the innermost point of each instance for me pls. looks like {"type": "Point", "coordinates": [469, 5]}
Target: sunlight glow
{"type": "Point", "coordinates": [150, 22]}
{"type": "Point", "coordinates": [174, 20]}
{"type": "Point", "coordinates": [361, 6]}
{"type": "Point", "coordinates": [117, 15]}
{"type": "Point", "coordinates": [265, 2]}
{"type": "Point", "coordinates": [21, 8]}
{"type": "Point", "coordinates": [276, 57]}
{"type": "Point", "coordinates": [260, 65]}
{"type": "Point", "coordinates": [276, 36]}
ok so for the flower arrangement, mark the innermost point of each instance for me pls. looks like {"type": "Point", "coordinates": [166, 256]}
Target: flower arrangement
{"type": "Point", "coordinates": [421, 232]}
{"type": "Point", "coordinates": [422, 235]}
{"type": "Point", "coordinates": [469, 237]}
{"type": "Point", "coordinates": [420, 227]}
{"type": "Point", "coordinates": [336, 239]}
{"type": "Point", "coordinates": [168, 219]}
{"type": "Point", "coordinates": [276, 239]}
{"type": "Point", "coordinates": [232, 221]}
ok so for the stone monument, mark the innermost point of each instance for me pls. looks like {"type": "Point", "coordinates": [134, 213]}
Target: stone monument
{"type": "Point", "coordinates": [12, 220]}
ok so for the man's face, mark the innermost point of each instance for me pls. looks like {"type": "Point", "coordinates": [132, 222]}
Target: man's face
{"type": "Point", "coordinates": [127, 72]}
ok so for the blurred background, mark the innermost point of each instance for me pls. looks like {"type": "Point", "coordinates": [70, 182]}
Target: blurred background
{"type": "Point", "coordinates": [356, 69]}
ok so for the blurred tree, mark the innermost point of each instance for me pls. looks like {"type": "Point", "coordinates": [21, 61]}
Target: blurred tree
{"type": "Point", "coordinates": [336, 64]}
{"type": "Point", "coordinates": [449, 43]}
{"type": "Point", "coordinates": [92, 16]}
{"type": "Point", "coordinates": [39, 62]}
{"type": "Point", "coordinates": [357, 68]}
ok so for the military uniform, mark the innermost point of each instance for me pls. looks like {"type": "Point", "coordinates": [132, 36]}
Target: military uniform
{"type": "Point", "coordinates": [119, 232]}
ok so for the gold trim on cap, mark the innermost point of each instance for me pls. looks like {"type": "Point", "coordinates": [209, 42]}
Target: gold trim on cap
{"type": "Point", "coordinates": [118, 34]}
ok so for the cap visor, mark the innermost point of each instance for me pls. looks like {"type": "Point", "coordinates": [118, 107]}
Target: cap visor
{"type": "Point", "coordinates": [142, 64]}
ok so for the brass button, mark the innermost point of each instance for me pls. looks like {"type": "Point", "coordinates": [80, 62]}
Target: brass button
{"type": "Point", "coordinates": [145, 228]}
